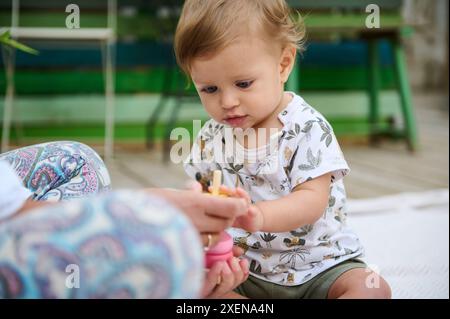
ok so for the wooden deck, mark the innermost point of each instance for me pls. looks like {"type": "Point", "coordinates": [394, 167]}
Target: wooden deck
{"type": "Point", "coordinates": [375, 171]}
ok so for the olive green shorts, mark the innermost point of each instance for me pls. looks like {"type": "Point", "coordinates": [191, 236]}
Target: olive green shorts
{"type": "Point", "coordinates": [316, 288]}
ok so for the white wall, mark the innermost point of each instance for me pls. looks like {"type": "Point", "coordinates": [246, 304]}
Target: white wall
{"type": "Point", "coordinates": [428, 48]}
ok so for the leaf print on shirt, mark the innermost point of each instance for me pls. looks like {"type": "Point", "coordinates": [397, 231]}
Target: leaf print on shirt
{"type": "Point", "coordinates": [330, 208]}
{"type": "Point", "coordinates": [295, 240]}
{"type": "Point", "coordinates": [291, 278]}
{"type": "Point", "coordinates": [307, 129]}
{"type": "Point", "coordinates": [211, 131]}
{"type": "Point", "coordinates": [313, 161]}
{"type": "Point", "coordinates": [254, 180]}
{"type": "Point", "coordinates": [268, 165]}
{"type": "Point", "coordinates": [294, 132]}
{"type": "Point", "coordinates": [339, 215]}
{"type": "Point", "coordinates": [293, 255]}
{"type": "Point", "coordinates": [242, 243]}
{"type": "Point", "coordinates": [268, 237]}
{"type": "Point", "coordinates": [285, 184]}
{"type": "Point", "coordinates": [306, 229]}
{"type": "Point", "coordinates": [288, 168]}
{"type": "Point", "coordinates": [308, 108]}
{"type": "Point", "coordinates": [325, 241]}
{"type": "Point", "coordinates": [234, 170]}
{"type": "Point", "coordinates": [326, 132]}
{"type": "Point", "coordinates": [331, 201]}
{"type": "Point", "coordinates": [255, 267]}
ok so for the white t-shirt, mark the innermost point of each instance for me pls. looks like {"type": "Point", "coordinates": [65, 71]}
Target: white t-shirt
{"type": "Point", "coordinates": [305, 149]}
{"type": "Point", "coordinates": [12, 193]}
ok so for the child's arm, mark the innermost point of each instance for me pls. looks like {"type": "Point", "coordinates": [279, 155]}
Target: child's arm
{"type": "Point", "coordinates": [303, 206]}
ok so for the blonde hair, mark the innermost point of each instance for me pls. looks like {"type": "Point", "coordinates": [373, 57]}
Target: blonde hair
{"type": "Point", "coordinates": [207, 26]}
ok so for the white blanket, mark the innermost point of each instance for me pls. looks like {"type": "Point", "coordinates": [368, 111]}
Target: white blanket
{"type": "Point", "coordinates": [406, 237]}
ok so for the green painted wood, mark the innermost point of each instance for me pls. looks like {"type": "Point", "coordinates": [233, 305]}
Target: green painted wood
{"type": "Point", "coordinates": [343, 127]}
{"type": "Point", "coordinates": [374, 88]}
{"type": "Point", "coordinates": [139, 26]}
{"type": "Point", "coordinates": [347, 4]}
{"type": "Point", "coordinates": [151, 80]}
{"type": "Point", "coordinates": [405, 96]}
{"type": "Point", "coordinates": [56, 116]}
{"type": "Point", "coordinates": [317, 20]}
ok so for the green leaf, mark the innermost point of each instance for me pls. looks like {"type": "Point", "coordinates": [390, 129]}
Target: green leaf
{"type": "Point", "coordinates": [5, 38]}
{"type": "Point", "coordinates": [229, 170]}
{"type": "Point", "coordinates": [5, 35]}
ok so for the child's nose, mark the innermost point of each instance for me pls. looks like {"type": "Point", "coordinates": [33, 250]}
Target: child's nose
{"type": "Point", "coordinates": [229, 100]}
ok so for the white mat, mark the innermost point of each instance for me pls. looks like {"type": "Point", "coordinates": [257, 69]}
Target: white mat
{"type": "Point", "coordinates": [406, 237]}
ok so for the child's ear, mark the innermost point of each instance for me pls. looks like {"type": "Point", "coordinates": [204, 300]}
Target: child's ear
{"type": "Point", "coordinates": [287, 62]}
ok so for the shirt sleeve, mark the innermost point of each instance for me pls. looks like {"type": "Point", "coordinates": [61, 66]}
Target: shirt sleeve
{"type": "Point", "coordinates": [317, 153]}
{"type": "Point", "coordinates": [12, 193]}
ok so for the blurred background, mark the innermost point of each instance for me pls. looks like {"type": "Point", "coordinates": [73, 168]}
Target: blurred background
{"type": "Point", "coordinates": [384, 90]}
{"type": "Point", "coordinates": [60, 93]}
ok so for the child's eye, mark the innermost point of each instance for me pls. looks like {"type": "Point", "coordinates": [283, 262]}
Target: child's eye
{"type": "Point", "coordinates": [244, 84]}
{"type": "Point", "coordinates": [209, 89]}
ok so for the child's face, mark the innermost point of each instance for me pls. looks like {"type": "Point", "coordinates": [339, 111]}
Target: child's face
{"type": "Point", "coordinates": [243, 84]}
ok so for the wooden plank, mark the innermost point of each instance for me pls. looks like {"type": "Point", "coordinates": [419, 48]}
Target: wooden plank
{"type": "Point", "coordinates": [150, 79]}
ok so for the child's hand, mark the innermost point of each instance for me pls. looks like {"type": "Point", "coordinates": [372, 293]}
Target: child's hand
{"type": "Point", "coordinates": [252, 222]}
{"type": "Point", "coordinates": [254, 219]}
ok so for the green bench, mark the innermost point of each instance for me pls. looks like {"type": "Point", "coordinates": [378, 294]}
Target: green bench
{"type": "Point", "coordinates": [332, 20]}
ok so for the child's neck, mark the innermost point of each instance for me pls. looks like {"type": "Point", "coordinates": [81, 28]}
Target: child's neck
{"type": "Point", "coordinates": [271, 124]}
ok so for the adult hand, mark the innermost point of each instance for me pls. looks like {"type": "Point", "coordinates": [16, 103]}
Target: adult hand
{"type": "Point", "coordinates": [253, 221]}
{"type": "Point", "coordinates": [223, 277]}
{"type": "Point", "coordinates": [209, 214]}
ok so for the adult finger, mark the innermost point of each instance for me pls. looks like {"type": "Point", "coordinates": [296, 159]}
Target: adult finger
{"type": "Point", "coordinates": [211, 279]}
{"type": "Point", "coordinates": [225, 207]}
{"type": "Point", "coordinates": [211, 224]}
{"type": "Point", "coordinates": [238, 272]}
{"type": "Point", "coordinates": [226, 282]}
{"type": "Point", "coordinates": [194, 186]}
{"type": "Point", "coordinates": [210, 239]}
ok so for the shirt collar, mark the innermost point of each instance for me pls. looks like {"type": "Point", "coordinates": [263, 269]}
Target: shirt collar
{"type": "Point", "coordinates": [287, 113]}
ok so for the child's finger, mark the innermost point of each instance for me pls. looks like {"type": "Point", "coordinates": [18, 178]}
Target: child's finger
{"type": "Point", "coordinates": [252, 211]}
{"type": "Point", "coordinates": [242, 193]}
{"type": "Point", "coordinates": [237, 251]}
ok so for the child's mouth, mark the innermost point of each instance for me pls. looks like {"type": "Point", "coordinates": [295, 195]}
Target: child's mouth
{"type": "Point", "coordinates": [236, 120]}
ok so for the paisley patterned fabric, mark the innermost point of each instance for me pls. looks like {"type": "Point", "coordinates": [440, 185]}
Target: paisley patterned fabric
{"type": "Point", "coordinates": [59, 170]}
{"type": "Point", "coordinates": [115, 245]}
